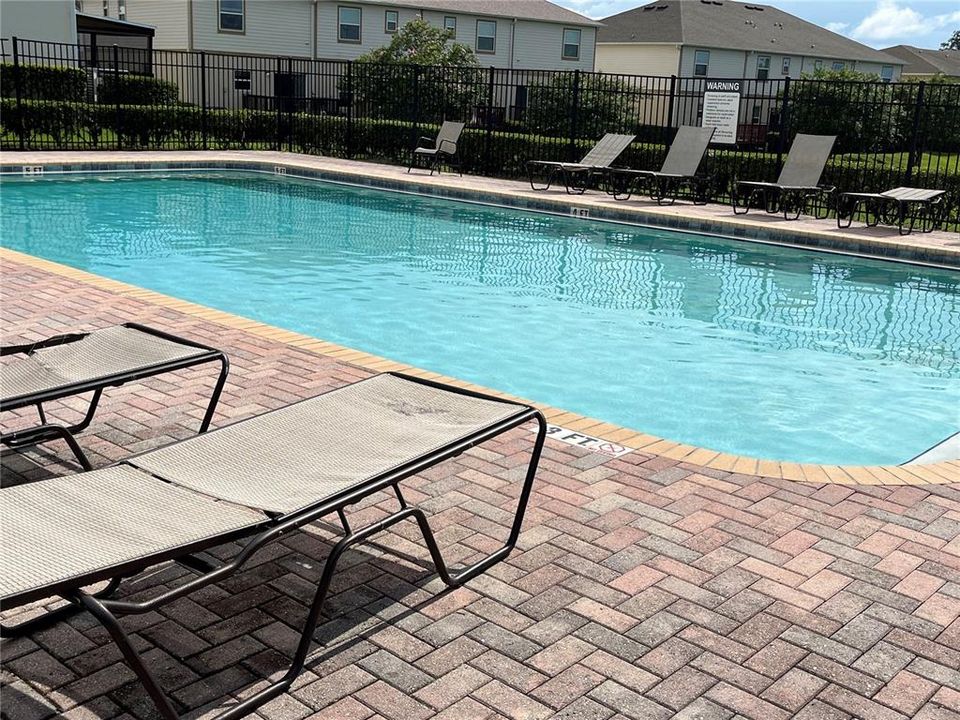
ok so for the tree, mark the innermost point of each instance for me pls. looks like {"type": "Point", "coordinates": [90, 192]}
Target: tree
{"type": "Point", "coordinates": [856, 107]}
{"type": "Point", "coordinates": [419, 68]}
{"type": "Point", "coordinates": [604, 104]}
{"type": "Point", "coordinates": [953, 43]}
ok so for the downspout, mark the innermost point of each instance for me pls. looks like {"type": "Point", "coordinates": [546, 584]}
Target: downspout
{"type": "Point", "coordinates": [513, 37]}
{"type": "Point", "coordinates": [190, 25]}
{"type": "Point", "coordinates": [313, 35]}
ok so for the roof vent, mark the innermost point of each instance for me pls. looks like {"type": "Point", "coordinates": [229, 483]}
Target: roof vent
{"type": "Point", "coordinates": [645, 8]}
{"type": "Point", "coordinates": [661, 7]}
{"type": "Point", "coordinates": [717, 2]}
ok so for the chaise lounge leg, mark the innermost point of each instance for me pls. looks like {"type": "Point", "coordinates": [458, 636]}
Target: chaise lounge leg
{"type": "Point", "coordinates": [217, 390]}
{"type": "Point", "coordinates": [52, 617]}
{"type": "Point", "coordinates": [44, 433]}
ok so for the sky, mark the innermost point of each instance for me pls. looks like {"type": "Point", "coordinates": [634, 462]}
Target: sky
{"type": "Point", "coordinates": [877, 23]}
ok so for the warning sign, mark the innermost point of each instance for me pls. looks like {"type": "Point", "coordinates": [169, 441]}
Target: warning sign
{"type": "Point", "coordinates": [721, 109]}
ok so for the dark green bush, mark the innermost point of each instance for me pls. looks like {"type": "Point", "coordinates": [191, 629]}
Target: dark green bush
{"type": "Point", "coordinates": [39, 82]}
{"type": "Point", "coordinates": [137, 90]}
{"type": "Point", "coordinates": [605, 104]}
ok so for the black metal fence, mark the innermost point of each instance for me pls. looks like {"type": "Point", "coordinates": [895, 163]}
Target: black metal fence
{"type": "Point", "coordinates": [59, 96]}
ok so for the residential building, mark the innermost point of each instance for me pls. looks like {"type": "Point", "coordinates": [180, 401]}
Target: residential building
{"type": "Point", "coordinates": [724, 39]}
{"type": "Point", "coordinates": [53, 20]}
{"type": "Point", "coordinates": [530, 34]}
{"type": "Point", "coordinates": [922, 64]}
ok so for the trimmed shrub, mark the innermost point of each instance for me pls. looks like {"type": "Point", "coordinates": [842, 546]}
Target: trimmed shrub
{"type": "Point", "coordinates": [605, 104]}
{"type": "Point", "coordinates": [137, 90]}
{"type": "Point", "coordinates": [41, 82]}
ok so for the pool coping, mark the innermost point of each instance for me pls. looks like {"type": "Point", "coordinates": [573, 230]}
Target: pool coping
{"type": "Point", "coordinates": [502, 193]}
{"type": "Point", "coordinates": [940, 473]}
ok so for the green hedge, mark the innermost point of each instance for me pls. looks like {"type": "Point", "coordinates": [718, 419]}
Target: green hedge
{"type": "Point", "coordinates": [77, 125]}
{"type": "Point", "coordinates": [137, 90]}
{"type": "Point", "coordinates": [38, 82]}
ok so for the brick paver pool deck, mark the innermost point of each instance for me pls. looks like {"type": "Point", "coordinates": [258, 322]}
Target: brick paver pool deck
{"type": "Point", "coordinates": [643, 587]}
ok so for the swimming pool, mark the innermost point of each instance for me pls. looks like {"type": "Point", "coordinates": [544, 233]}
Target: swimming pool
{"type": "Point", "coordinates": [749, 349]}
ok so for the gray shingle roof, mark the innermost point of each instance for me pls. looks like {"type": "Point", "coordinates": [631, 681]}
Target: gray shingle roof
{"type": "Point", "coordinates": [734, 25]}
{"type": "Point", "coordinates": [520, 9]}
{"type": "Point", "coordinates": [919, 61]}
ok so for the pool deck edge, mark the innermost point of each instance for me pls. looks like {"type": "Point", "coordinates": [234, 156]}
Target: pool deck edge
{"type": "Point", "coordinates": [939, 248]}
{"type": "Point", "coordinates": [939, 473]}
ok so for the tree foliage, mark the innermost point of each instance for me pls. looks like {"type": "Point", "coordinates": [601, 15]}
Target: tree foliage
{"type": "Point", "coordinates": [953, 43]}
{"type": "Point", "coordinates": [419, 68]}
{"type": "Point", "coordinates": [603, 104]}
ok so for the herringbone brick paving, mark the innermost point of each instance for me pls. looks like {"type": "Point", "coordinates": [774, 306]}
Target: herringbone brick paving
{"type": "Point", "coordinates": [642, 588]}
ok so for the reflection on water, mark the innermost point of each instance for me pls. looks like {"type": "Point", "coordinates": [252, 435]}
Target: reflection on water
{"type": "Point", "coordinates": [743, 348]}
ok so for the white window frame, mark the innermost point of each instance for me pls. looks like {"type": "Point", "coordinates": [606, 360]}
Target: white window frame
{"type": "Point", "coordinates": [839, 65]}
{"type": "Point", "coordinates": [886, 73]}
{"type": "Point", "coordinates": [785, 66]}
{"type": "Point", "coordinates": [448, 26]}
{"type": "Point", "coordinates": [765, 68]}
{"type": "Point", "coordinates": [358, 25]}
{"type": "Point", "coordinates": [386, 21]}
{"type": "Point", "coordinates": [818, 64]}
{"type": "Point", "coordinates": [706, 65]}
{"type": "Point", "coordinates": [564, 43]}
{"type": "Point", "coordinates": [242, 15]}
{"type": "Point", "coordinates": [494, 37]}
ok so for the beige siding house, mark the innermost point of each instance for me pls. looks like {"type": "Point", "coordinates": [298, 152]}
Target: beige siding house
{"type": "Point", "coordinates": [52, 21]}
{"type": "Point", "coordinates": [529, 34]}
{"type": "Point", "coordinates": [725, 39]}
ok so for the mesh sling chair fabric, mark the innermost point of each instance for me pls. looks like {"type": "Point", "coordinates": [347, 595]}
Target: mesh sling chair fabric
{"type": "Point", "coordinates": [68, 365]}
{"type": "Point", "coordinates": [799, 179]}
{"type": "Point", "coordinates": [445, 145]}
{"type": "Point", "coordinates": [679, 169]}
{"type": "Point", "coordinates": [598, 159]}
{"type": "Point", "coordinates": [68, 533]}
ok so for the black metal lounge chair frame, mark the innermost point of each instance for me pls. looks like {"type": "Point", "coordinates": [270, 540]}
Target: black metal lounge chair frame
{"type": "Point", "coordinates": [47, 431]}
{"type": "Point", "coordinates": [662, 189]}
{"type": "Point", "coordinates": [791, 201]}
{"type": "Point", "coordinates": [576, 176]}
{"type": "Point", "coordinates": [107, 610]}
{"type": "Point", "coordinates": [576, 179]}
{"type": "Point", "coordinates": [879, 208]}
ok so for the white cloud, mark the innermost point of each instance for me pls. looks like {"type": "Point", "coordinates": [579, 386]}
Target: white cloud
{"type": "Point", "coordinates": [837, 27]}
{"type": "Point", "coordinates": [891, 19]}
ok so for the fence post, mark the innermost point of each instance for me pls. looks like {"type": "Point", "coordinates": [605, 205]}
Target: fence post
{"type": "Point", "coordinates": [117, 92]}
{"type": "Point", "coordinates": [912, 159]}
{"type": "Point", "coordinates": [488, 139]}
{"type": "Point", "coordinates": [203, 98]}
{"type": "Point", "coordinates": [278, 141]}
{"type": "Point", "coordinates": [574, 112]}
{"type": "Point", "coordinates": [348, 140]}
{"type": "Point", "coordinates": [291, 100]}
{"type": "Point", "coordinates": [18, 92]}
{"type": "Point", "coordinates": [784, 123]}
{"type": "Point", "coordinates": [671, 100]}
{"type": "Point", "coordinates": [416, 105]}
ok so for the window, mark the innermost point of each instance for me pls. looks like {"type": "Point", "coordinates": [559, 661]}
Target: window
{"type": "Point", "coordinates": [231, 15]}
{"type": "Point", "coordinates": [763, 67]}
{"type": "Point", "coordinates": [487, 36]}
{"type": "Point", "coordinates": [391, 21]}
{"type": "Point", "coordinates": [122, 10]}
{"type": "Point", "coordinates": [450, 25]}
{"type": "Point", "coordinates": [756, 114]}
{"type": "Point", "coordinates": [106, 8]}
{"type": "Point", "coordinates": [701, 62]}
{"type": "Point", "coordinates": [839, 65]}
{"type": "Point", "coordinates": [785, 70]}
{"type": "Point", "coordinates": [348, 24]}
{"type": "Point", "coordinates": [886, 73]}
{"type": "Point", "coordinates": [571, 44]}
{"type": "Point", "coordinates": [818, 64]}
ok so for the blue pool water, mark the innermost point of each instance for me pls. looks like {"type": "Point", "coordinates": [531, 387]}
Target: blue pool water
{"type": "Point", "coordinates": [773, 353]}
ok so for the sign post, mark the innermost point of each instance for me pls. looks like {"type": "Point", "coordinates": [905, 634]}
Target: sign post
{"type": "Point", "coordinates": [721, 109]}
